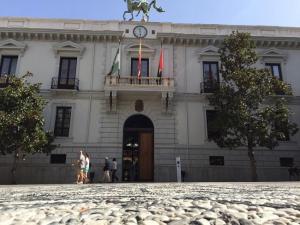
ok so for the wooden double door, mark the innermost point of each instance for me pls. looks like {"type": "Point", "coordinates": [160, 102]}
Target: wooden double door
{"type": "Point", "coordinates": [138, 156]}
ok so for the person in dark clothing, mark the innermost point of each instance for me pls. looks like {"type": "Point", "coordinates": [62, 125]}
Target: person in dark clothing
{"type": "Point", "coordinates": [91, 174]}
{"type": "Point", "coordinates": [106, 169]}
{"type": "Point", "coordinates": [114, 170]}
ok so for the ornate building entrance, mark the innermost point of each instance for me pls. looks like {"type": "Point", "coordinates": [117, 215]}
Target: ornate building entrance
{"type": "Point", "coordinates": [138, 149]}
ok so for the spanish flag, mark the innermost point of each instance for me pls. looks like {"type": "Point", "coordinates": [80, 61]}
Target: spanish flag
{"type": "Point", "coordinates": [161, 63]}
{"type": "Point", "coordinates": [140, 61]}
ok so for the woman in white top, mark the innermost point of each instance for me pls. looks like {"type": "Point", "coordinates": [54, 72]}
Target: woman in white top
{"type": "Point", "coordinates": [87, 167]}
{"type": "Point", "coordinates": [82, 167]}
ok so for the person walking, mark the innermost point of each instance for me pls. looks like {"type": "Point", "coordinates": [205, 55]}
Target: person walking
{"type": "Point", "coordinates": [106, 168]}
{"type": "Point", "coordinates": [91, 173]}
{"type": "Point", "coordinates": [86, 168]}
{"type": "Point", "coordinates": [82, 167]}
{"type": "Point", "coordinates": [114, 171]}
{"type": "Point", "coordinates": [77, 170]}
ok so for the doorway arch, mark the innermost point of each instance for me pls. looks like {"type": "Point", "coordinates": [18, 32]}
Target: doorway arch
{"type": "Point", "coordinates": [138, 149]}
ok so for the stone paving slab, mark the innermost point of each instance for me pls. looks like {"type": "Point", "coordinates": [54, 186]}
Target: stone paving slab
{"type": "Point", "coordinates": [151, 204]}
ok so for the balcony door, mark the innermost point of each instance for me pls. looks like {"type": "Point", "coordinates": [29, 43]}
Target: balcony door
{"type": "Point", "coordinates": [67, 73]}
{"type": "Point", "coordinates": [210, 76]}
{"type": "Point", "coordinates": [8, 65]}
{"type": "Point", "coordinates": [134, 67]}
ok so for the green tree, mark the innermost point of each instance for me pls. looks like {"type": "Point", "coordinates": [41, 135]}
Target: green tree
{"type": "Point", "coordinates": [248, 112]}
{"type": "Point", "coordinates": [21, 121]}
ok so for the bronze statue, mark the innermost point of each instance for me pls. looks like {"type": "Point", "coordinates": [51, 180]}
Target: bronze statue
{"type": "Point", "coordinates": [140, 5]}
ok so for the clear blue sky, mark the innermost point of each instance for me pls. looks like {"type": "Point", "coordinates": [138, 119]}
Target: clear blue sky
{"type": "Point", "coordinates": [244, 12]}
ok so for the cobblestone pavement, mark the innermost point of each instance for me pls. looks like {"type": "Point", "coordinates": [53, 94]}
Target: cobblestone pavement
{"type": "Point", "coordinates": [152, 204]}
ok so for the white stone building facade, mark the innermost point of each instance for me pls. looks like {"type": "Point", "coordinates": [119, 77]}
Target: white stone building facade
{"type": "Point", "coordinates": [145, 124]}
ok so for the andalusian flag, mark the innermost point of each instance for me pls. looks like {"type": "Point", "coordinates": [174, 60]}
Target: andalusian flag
{"type": "Point", "coordinates": [116, 66]}
{"type": "Point", "coordinates": [140, 61]}
{"type": "Point", "coordinates": [161, 63]}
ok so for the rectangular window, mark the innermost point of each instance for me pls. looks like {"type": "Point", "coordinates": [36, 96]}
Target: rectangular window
{"type": "Point", "coordinates": [210, 77]}
{"type": "Point", "coordinates": [284, 130]}
{"type": "Point", "coordinates": [8, 65]}
{"type": "Point", "coordinates": [145, 67]}
{"type": "Point", "coordinates": [211, 129]}
{"type": "Point", "coordinates": [216, 160]}
{"type": "Point", "coordinates": [286, 162]}
{"type": "Point", "coordinates": [67, 73]}
{"type": "Point", "coordinates": [58, 158]}
{"type": "Point", "coordinates": [62, 121]}
{"type": "Point", "coordinates": [275, 69]}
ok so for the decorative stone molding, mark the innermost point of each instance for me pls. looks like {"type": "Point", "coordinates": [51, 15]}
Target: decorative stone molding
{"type": "Point", "coordinates": [209, 53]}
{"type": "Point", "coordinates": [134, 49]}
{"type": "Point", "coordinates": [11, 45]}
{"type": "Point", "coordinates": [69, 47]}
{"type": "Point", "coordinates": [273, 55]}
{"type": "Point", "coordinates": [216, 40]}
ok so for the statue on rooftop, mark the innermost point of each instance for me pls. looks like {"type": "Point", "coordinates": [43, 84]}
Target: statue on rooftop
{"type": "Point", "coordinates": [141, 5]}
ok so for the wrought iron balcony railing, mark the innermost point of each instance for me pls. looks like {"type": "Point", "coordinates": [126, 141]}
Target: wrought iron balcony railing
{"type": "Point", "coordinates": [4, 81]}
{"type": "Point", "coordinates": [65, 83]}
{"type": "Point", "coordinates": [209, 87]}
{"type": "Point", "coordinates": [289, 91]}
{"type": "Point", "coordinates": [143, 83]}
{"type": "Point", "coordinates": [212, 86]}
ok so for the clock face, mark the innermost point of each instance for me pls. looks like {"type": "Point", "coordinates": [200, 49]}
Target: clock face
{"type": "Point", "coordinates": [140, 31]}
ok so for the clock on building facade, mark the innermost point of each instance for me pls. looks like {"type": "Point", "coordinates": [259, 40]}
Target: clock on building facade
{"type": "Point", "coordinates": [140, 31]}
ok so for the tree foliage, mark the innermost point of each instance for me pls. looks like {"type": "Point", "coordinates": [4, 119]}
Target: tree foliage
{"type": "Point", "coordinates": [21, 119]}
{"type": "Point", "coordinates": [249, 113]}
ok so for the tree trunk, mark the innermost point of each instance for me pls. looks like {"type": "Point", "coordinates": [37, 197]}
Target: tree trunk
{"type": "Point", "coordinates": [252, 163]}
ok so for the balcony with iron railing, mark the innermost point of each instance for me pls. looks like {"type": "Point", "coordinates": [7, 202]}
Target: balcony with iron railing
{"type": "Point", "coordinates": [288, 92]}
{"type": "Point", "coordinates": [65, 83]}
{"type": "Point", "coordinates": [133, 83]}
{"type": "Point", "coordinates": [4, 81]}
{"type": "Point", "coordinates": [209, 86]}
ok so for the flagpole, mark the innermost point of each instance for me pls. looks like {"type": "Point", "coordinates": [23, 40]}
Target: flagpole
{"type": "Point", "coordinates": [140, 60]}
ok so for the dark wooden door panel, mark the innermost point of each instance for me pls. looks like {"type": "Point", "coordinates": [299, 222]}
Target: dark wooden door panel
{"type": "Point", "coordinates": [146, 157]}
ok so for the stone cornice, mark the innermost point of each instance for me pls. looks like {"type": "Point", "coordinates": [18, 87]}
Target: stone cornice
{"type": "Point", "coordinates": [22, 34]}
{"type": "Point", "coordinates": [216, 40]}
{"type": "Point", "coordinates": [92, 30]}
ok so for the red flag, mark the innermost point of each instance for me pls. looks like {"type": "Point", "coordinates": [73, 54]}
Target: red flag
{"type": "Point", "coordinates": [161, 63]}
{"type": "Point", "coordinates": [140, 61]}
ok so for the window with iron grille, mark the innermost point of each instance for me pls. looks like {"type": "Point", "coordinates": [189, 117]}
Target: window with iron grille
{"type": "Point", "coordinates": [67, 73]}
{"type": "Point", "coordinates": [283, 129]}
{"type": "Point", "coordinates": [58, 158]}
{"type": "Point", "coordinates": [275, 69]}
{"type": "Point", "coordinates": [210, 76]}
{"type": "Point", "coordinates": [62, 121]}
{"type": "Point", "coordinates": [216, 160]}
{"type": "Point", "coordinates": [212, 130]}
{"type": "Point", "coordinates": [8, 65]}
{"type": "Point", "coordinates": [286, 162]}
